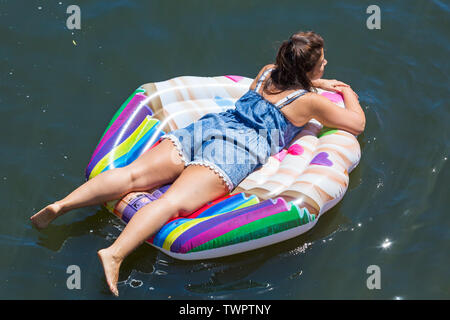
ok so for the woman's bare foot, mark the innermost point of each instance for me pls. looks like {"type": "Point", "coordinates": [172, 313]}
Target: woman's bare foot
{"type": "Point", "coordinates": [111, 265]}
{"type": "Point", "coordinates": [41, 219]}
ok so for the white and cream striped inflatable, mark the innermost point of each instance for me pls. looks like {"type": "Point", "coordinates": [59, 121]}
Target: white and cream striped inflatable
{"type": "Point", "coordinates": [279, 201]}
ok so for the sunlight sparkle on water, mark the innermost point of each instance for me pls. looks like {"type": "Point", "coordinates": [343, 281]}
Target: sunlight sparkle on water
{"type": "Point", "coordinates": [386, 244]}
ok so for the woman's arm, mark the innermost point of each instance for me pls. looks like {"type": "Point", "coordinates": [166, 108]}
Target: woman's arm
{"type": "Point", "coordinates": [351, 119]}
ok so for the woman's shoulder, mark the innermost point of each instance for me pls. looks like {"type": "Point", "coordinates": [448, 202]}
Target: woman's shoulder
{"type": "Point", "coordinates": [260, 73]}
{"type": "Point", "coordinates": [310, 102]}
{"type": "Point", "coordinates": [309, 98]}
{"type": "Point", "coordinates": [306, 101]}
{"type": "Point", "coordinates": [268, 66]}
{"type": "Point", "coordinates": [264, 68]}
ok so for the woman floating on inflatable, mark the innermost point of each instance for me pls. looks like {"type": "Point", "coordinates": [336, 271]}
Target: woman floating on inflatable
{"type": "Point", "coordinates": [265, 146]}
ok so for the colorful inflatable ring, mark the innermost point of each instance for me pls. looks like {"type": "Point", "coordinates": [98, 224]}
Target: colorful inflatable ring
{"type": "Point", "coordinates": [279, 201]}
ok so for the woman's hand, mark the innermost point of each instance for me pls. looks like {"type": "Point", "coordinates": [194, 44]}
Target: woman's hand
{"type": "Point", "coordinates": [330, 85]}
{"type": "Point", "coordinates": [346, 91]}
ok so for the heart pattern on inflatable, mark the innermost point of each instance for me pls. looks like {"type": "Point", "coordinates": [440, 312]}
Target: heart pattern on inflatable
{"type": "Point", "coordinates": [295, 150]}
{"type": "Point", "coordinates": [321, 159]}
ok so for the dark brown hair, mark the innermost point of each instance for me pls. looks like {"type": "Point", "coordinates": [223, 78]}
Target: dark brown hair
{"type": "Point", "coordinates": [295, 58]}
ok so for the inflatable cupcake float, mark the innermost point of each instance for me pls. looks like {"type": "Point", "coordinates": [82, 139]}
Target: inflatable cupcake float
{"type": "Point", "coordinates": [281, 200]}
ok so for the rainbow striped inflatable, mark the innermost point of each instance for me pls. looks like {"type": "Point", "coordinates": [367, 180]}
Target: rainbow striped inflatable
{"type": "Point", "coordinates": [281, 200]}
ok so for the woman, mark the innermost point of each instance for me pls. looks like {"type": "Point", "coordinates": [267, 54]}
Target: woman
{"type": "Point", "coordinates": [280, 102]}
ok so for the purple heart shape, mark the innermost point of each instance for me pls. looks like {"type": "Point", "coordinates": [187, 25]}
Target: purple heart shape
{"type": "Point", "coordinates": [321, 159]}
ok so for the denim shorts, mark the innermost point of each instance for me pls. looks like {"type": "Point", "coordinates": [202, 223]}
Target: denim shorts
{"type": "Point", "coordinates": [224, 144]}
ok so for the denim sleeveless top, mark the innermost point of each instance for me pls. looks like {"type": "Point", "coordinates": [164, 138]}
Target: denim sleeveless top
{"type": "Point", "coordinates": [237, 141]}
{"type": "Point", "coordinates": [258, 113]}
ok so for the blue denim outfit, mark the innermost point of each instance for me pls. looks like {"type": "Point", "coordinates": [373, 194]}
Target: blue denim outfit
{"type": "Point", "coordinates": [237, 141]}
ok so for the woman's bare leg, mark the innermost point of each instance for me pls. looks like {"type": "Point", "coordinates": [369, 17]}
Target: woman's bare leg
{"type": "Point", "coordinates": [158, 166]}
{"type": "Point", "coordinates": [195, 186]}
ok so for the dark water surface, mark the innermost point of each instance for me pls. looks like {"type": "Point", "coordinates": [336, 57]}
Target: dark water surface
{"type": "Point", "coordinates": [59, 89]}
